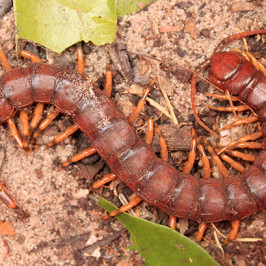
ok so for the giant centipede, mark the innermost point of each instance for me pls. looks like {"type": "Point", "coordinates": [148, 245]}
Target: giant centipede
{"type": "Point", "coordinates": [130, 159]}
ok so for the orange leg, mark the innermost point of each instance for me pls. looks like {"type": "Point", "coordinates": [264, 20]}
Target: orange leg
{"type": "Point", "coordinates": [231, 103]}
{"type": "Point", "coordinates": [239, 122]}
{"type": "Point", "coordinates": [69, 131]}
{"type": "Point", "coordinates": [172, 222]}
{"type": "Point", "coordinates": [46, 122]}
{"type": "Point", "coordinates": [233, 232]}
{"type": "Point", "coordinates": [206, 163]}
{"type": "Point", "coordinates": [25, 128]}
{"type": "Point", "coordinates": [201, 230]}
{"type": "Point", "coordinates": [4, 61]}
{"type": "Point", "coordinates": [222, 169]}
{"type": "Point", "coordinates": [106, 179]}
{"type": "Point", "coordinates": [4, 196]}
{"type": "Point", "coordinates": [80, 55]}
{"type": "Point", "coordinates": [34, 58]}
{"type": "Point", "coordinates": [36, 117]}
{"type": "Point", "coordinates": [135, 201]}
{"type": "Point", "coordinates": [150, 129]}
{"type": "Point", "coordinates": [192, 154]}
{"type": "Point", "coordinates": [239, 108]}
{"type": "Point", "coordinates": [243, 139]}
{"type": "Point", "coordinates": [79, 156]}
{"type": "Point", "coordinates": [232, 162]}
{"type": "Point", "coordinates": [14, 132]}
{"type": "Point", "coordinates": [249, 145]}
{"type": "Point", "coordinates": [164, 150]}
{"type": "Point", "coordinates": [108, 82]}
{"type": "Point", "coordinates": [135, 114]}
{"type": "Point", "coordinates": [221, 96]}
{"type": "Point", "coordinates": [243, 156]}
{"type": "Point", "coordinates": [254, 61]}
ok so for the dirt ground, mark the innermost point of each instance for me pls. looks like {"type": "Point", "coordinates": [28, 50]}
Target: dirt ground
{"type": "Point", "coordinates": [63, 215]}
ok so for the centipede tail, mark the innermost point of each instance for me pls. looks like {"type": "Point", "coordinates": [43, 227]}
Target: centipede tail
{"type": "Point", "coordinates": [133, 161]}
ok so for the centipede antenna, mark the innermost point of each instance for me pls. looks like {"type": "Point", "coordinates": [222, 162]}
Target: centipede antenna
{"type": "Point", "coordinates": [237, 36]}
{"type": "Point", "coordinates": [193, 91]}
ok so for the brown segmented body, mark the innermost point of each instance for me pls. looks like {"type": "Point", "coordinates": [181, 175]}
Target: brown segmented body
{"type": "Point", "coordinates": [134, 163]}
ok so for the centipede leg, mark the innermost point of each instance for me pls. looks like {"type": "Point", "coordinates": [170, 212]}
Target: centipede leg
{"type": "Point", "coordinates": [221, 96]}
{"type": "Point", "coordinates": [80, 55]}
{"type": "Point", "coordinates": [106, 179]}
{"type": "Point", "coordinates": [247, 120]}
{"type": "Point", "coordinates": [135, 114]}
{"type": "Point", "coordinates": [250, 57]}
{"type": "Point", "coordinates": [205, 160]}
{"type": "Point", "coordinates": [172, 222]}
{"type": "Point", "coordinates": [149, 133]}
{"type": "Point", "coordinates": [233, 232]}
{"type": "Point", "coordinates": [135, 201]}
{"type": "Point", "coordinates": [46, 122]}
{"type": "Point", "coordinates": [4, 61]}
{"type": "Point", "coordinates": [222, 169]}
{"type": "Point", "coordinates": [78, 157]}
{"type": "Point", "coordinates": [36, 117]}
{"type": "Point", "coordinates": [108, 81]}
{"type": "Point", "coordinates": [25, 128]}
{"type": "Point", "coordinates": [254, 61]}
{"type": "Point", "coordinates": [69, 131]}
{"type": "Point", "coordinates": [164, 150]}
{"type": "Point", "coordinates": [14, 132]}
{"type": "Point", "coordinates": [239, 108]}
{"type": "Point", "coordinates": [232, 162]}
{"type": "Point", "coordinates": [192, 154]}
{"type": "Point", "coordinates": [201, 230]}
{"type": "Point", "coordinates": [243, 156]}
{"type": "Point", "coordinates": [243, 139]}
{"type": "Point", "coordinates": [6, 198]}
{"type": "Point", "coordinates": [34, 58]}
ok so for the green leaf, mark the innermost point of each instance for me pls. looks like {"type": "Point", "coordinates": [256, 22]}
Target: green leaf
{"type": "Point", "coordinates": [59, 24]}
{"type": "Point", "coordinates": [160, 245]}
{"type": "Point", "coordinates": [125, 7]}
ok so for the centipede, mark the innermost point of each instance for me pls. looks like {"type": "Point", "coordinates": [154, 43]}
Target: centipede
{"type": "Point", "coordinates": [131, 160]}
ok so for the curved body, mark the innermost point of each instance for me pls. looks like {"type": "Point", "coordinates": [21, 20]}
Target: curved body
{"type": "Point", "coordinates": [133, 162]}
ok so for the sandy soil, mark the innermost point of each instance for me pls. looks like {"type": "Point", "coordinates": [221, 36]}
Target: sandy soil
{"type": "Point", "coordinates": [63, 214]}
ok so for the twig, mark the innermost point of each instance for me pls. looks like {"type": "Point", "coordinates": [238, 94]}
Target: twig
{"type": "Point", "coordinates": [103, 242]}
